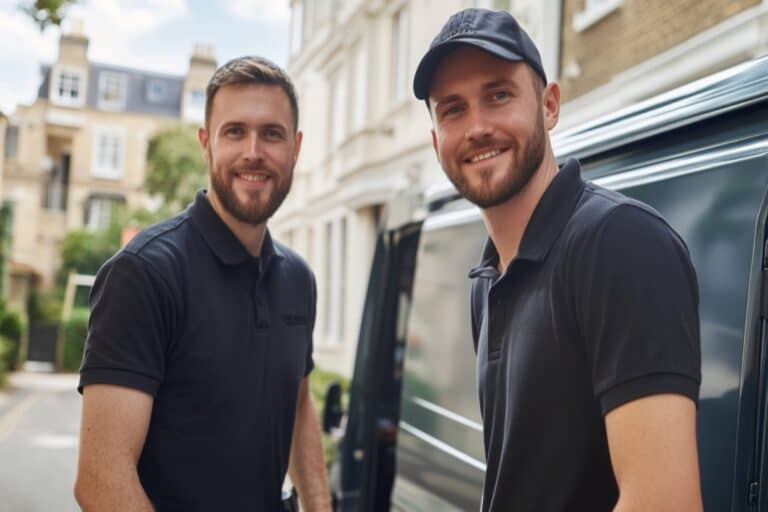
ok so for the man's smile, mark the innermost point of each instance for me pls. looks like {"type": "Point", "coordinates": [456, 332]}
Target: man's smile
{"type": "Point", "coordinates": [484, 155]}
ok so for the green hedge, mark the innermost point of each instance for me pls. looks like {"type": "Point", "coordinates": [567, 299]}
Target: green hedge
{"type": "Point", "coordinates": [10, 332]}
{"type": "Point", "coordinates": [318, 383]}
{"type": "Point", "coordinates": [5, 348]}
{"type": "Point", "coordinates": [73, 333]}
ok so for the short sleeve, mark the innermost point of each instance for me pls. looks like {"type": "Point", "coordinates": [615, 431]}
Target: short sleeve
{"type": "Point", "coordinates": [310, 364]}
{"type": "Point", "coordinates": [129, 326]}
{"type": "Point", "coordinates": [638, 309]}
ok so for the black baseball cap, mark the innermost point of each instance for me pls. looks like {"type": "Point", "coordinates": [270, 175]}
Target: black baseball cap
{"type": "Point", "coordinates": [496, 32]}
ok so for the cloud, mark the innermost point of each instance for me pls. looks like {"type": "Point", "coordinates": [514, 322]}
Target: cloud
{"type": "Point", "coordinates": [129, 18]}
{"type": "Point", "coordinates": [115, 28]}
{"type": "Point", "coordinates": [260, 10]}
{"type": "Point", "coordinates": [20, 64]}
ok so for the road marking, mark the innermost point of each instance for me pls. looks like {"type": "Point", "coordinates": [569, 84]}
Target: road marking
{"type": "Point", "coordinates": [13, 416]}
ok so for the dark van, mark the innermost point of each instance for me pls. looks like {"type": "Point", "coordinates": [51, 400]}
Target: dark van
{"type": "Point", "coordinates": [412, 439]}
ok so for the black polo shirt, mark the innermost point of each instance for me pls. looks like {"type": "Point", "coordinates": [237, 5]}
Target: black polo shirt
{"type": "Point", "coordinates": [600, 307]}
{"type": "Point", "coordinates": [221, 340]}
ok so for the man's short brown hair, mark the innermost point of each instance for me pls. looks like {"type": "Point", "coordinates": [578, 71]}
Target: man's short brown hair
{"type": "Point", "coordinates": [251, 71]}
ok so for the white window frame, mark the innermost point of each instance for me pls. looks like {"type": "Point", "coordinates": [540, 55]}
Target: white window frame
{"type": "Point", "coordinates": [594, 11]}
{"type": "Point", "coordinates": [337, 115]}
{"type": "Point", "coordinates": [400, 49]}
{"type": "Point", "coordinates": [118, 81]}
{"type": "Point", "coordinates": [297, 30]}
{"type": "Point", "coordinates": [193, 113]}
{"type": "Point", "coordinates": [56, 83]}
{"type": "Point", "coordinates": [99, 217]}
{"type": "Point", "coordinates": [360, 70]}
{"type": "Point", "coordinates": [336, 239]}
{"type": "Point", "coordinates": [99, 167]}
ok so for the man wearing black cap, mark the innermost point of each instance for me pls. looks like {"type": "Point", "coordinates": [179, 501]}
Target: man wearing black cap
{"type": "Point", "coordinates": [585, 304]}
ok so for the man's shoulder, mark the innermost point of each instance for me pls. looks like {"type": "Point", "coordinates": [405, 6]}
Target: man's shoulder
{"type": "Point", "coordinates": [608, 213]}
{"type": "Point", "coordinates": [162, 241]}
{"type": "Point", "coordinates": [292, 261]}
{"type": "Point", "coordinates": [159, 250]}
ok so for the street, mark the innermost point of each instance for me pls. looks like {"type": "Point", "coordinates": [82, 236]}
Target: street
{"type": "Point", "coordinates": [39, 425]}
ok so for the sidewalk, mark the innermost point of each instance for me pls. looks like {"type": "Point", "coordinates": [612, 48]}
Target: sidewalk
{"type": "Point", "coordinates": [39, 435]}
{"type": "Point", "coordinates": [20, 385]}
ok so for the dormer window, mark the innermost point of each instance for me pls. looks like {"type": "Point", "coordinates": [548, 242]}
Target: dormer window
{"type": "Point", "coordinates": [112, 90]}
{"type": "Point", "coordinates": [68, 86]}
{"type": "Point", "coordinates": [157, 91]}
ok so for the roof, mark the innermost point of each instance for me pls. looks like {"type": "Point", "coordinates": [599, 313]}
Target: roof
{"type": "Point", "coordinates": [138, 85]}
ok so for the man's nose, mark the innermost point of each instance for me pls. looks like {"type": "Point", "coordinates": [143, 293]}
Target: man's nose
{"type": "Point", "coordinates": [478, 126]}
{"type": "Point", "coordinates": [252, 150]}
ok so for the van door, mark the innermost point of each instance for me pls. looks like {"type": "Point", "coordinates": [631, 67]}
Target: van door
{"type": "Point", "coordinates": [440, 455]}
{"type": "Point", "coordinates": [367, 455]}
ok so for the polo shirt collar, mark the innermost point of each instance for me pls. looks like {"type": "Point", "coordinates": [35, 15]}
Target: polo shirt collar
{"type": "Point", "coordinates": [224, 244]}
{"type": "Point", "coordinates": [547, 222]}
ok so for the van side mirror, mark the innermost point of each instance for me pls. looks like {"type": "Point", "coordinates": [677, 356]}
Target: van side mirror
{"type": "Point", "coordinates": [332, 410]}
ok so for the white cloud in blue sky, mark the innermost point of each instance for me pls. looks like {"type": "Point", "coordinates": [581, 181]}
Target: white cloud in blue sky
{"type": "Point", "coordinates": [155, 35]}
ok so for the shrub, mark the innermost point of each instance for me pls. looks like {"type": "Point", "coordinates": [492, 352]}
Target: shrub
{"type": "Point", "coordinates": [4, 349]}
{"type": "Point", "coordinates": [10, 330]}
{"type": "Point", "coordinates": [73, 332]}
{"type": "Point", "coordinates": [318, 383]}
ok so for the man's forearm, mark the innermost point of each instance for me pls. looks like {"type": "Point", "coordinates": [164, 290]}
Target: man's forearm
{"type": "Point", "coordinates": [307, 466]}
{"type": "Point", "coordinates": [99, 494]}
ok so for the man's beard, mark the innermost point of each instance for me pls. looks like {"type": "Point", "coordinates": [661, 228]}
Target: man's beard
{"type": "Point", "coordinates": [255, 211]}
{"type": "Point", "coordinates": [525, 162]}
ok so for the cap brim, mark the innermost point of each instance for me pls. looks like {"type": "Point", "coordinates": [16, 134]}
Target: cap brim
{"type": "Point", "coordinates": [422, 80]}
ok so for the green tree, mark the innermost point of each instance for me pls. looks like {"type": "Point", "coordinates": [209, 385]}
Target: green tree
{"type": "Point", "coordinates": [47, 12]}
{"type": "Point", "coordinates": [84, 251]}
{"type": "Point", "coordinates": [175, 166]}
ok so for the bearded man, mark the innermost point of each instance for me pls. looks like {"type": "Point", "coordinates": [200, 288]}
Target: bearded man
{"type": "Point", "coordinates": [584, 306]}
{"type": "Point", "coordinates": [194, 377]}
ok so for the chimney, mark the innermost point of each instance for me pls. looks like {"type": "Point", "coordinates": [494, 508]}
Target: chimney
{"type": "Point", "coordinates": [202, 64]}
{"type": "Point", "coordinates": [73, 45]}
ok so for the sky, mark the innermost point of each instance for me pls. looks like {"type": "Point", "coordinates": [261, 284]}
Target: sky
{"type": "Point", "coordinates": [153, 35]}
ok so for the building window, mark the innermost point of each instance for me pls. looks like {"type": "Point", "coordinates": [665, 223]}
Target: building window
{"type": "Point", "coordinates": [194, 106]}
{"type": "Point", "coordinates": [68, 87]}
{"type": "Point", "coordinates": [107, 154]}
{"type": "Point", "coordinates": [338, 110]}
{"type": "Point", "coordinates": [112, 90]}
{"type": "Point", "coordinates": [99, 210]}
{"type": "Point", "coordinates": [335, 279]}
{"type": "Point", "coordinates": [400, 55]}
{"type": "Point", "coordinates": [361, 85]}
{"type": "Point", "coordinates": [296, 27]}
{"type": "Point", "coordinates": [56, 184]}
{"type": "Point", "coordinates": [594, 11]}
{"type": "Point", "coordinates": [157, 91]}
{"type": "Point", "coordinates": [11, 141]}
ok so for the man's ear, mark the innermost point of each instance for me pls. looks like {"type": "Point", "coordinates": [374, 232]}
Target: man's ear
{"type": "Point", "coordinates": [434, 143]}
{"type": "Point", "coordinates": [202, 137]}
{"type": "Point", "coordinates": [297, 148]}
{"type": "Point", "coordinates": [550, 102]}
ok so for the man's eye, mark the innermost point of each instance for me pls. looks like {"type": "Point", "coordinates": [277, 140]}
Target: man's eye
{"type": "Point", "coordinates": [500, 95]}
{"type": "Point", "coordinates": [274, 134]}
{"type": "Point", "coordinates": [234, 131]}
{"type": "Point", "coordinates": [452, 110]}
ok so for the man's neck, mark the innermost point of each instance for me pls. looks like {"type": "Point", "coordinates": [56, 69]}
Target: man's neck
{"type": "Point", "coordinates": [506, 222]}
{"type": "Point", "coordinates": [250, 235]}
